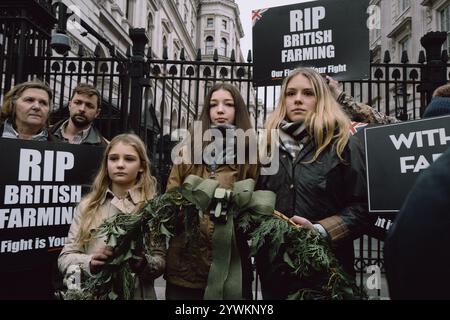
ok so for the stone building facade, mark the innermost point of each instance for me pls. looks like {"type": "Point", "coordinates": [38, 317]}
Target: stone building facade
{"type": "Point", "coordinates": [171, 24]}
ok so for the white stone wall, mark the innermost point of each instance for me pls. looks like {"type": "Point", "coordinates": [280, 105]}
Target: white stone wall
{"type": "Point", "coordinates": [396, 26]}
{"type": "Point", "coordinates": [420, 18]}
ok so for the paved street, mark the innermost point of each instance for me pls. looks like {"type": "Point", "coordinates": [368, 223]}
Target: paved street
{"type": "Point", "coordinates": [160, 288]}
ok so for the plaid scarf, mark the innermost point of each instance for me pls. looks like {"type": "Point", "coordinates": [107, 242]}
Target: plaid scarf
{"type": "Point", "coordinates": [292, 136]}
{"type": "Point", "coordinates": [226, 152]}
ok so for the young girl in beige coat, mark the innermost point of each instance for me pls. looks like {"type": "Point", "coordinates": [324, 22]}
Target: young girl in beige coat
{"type": "Point", "coordinates": [123, 184]}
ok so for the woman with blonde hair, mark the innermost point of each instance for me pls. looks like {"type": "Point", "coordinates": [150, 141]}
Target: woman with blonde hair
{"type": "Point", "coordinates": [321, 182]}
{"type": "Point", "coordinates": [123, 184]}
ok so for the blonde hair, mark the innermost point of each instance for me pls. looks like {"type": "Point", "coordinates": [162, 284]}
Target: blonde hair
{"type": "Point", "coordinates": [327, 125]}
{"type": "Point", "coordinates": [93, 200]}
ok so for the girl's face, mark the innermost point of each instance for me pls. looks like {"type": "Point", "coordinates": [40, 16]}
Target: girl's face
{"type": "Point", "coordinates": [299, 98]}
{"type": "Point", "coordinates": [124, 165]}
{"type": "Point", "coordinates": [221, 110]}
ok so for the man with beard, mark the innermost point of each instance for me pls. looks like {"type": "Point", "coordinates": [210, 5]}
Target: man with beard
{"type": "Point", "coordinates": [84, 108]}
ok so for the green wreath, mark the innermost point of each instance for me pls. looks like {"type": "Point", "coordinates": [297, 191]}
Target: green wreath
{"type": "Point", "coordinates": [307, 257]}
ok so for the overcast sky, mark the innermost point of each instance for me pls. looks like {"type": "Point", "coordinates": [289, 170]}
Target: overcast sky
{"type": "Point", "coordinates": [246, 7]}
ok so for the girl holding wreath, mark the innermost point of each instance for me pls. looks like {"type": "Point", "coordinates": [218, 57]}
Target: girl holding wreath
{"type": "Point", "coordinates": [123, 184]}
{"type": "Point", "coordinates": [321, 180]}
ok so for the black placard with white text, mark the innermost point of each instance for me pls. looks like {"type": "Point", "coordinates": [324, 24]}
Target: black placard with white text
{"type": "Point", "coordinates": [40, 185]}
{"type": "Point", "coordinates": [396, 154]}
{"type": "Point", "coordinates": [329, 35]}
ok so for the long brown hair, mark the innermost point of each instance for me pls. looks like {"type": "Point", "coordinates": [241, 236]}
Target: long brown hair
{"type": "Point", "coordinates": [327, 125]}
{"type": "Point", "coordinates": [242, 116]}
{"type": "Point", "coordinates": [146, 183]}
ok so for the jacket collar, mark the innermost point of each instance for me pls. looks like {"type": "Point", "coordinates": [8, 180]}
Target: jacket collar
{"type": "Point", "coordinates": [133, 195]}
{"type": "Point", "coordinates": [93, 137]}
{"type": "Point", "coordinates": [88, 136]}
{"type": "Point", "coordinates": [10, 132]}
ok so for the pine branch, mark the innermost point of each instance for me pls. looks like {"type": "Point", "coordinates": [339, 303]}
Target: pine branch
{"type": "Point", "coordinates": [303, 254]}
{"type": "Point", "coordinates": [126, 234]}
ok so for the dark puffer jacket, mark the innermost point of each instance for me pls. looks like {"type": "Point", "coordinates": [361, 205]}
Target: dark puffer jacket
{"type": "Point", "coordinates": [326, 191]}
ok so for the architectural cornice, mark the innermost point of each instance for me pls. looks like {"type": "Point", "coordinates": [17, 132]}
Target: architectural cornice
{"type": "Point", "coordinates": [427, 3]}
{"type": "Point", "coordinates": [180, 22]}
{"type": "Point", "coordinates": [115, 7]}
{"type": "Point", "coordinates": [155, 4]}
{"type": "Point", "coordinates": [404, 24]}
{"type": "Point", "coordinates": [117, 27]}
{"type": "Point", "coordinates": [167, 25]}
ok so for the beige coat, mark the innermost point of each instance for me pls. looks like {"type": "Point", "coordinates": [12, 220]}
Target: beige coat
{"type": "Point", "coordinates": [76, 255]}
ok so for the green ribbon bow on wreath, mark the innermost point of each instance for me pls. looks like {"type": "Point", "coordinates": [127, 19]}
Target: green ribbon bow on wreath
{"type": "Point", "coordinates": [225, 274]}
{"type": "Point", "coordinates": [307, 256]}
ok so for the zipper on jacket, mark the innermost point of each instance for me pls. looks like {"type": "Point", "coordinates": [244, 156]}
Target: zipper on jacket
{"type": "Point", "coordinates": [293, 189]}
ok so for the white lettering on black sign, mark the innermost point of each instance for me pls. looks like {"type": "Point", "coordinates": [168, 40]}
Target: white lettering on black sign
{"type": "Point", "coordinates": [419, 139]}
{"type": "Point", "coordinates": [305, 42]}
{"type": "Point", "coordinates": [36, 166]}
{"type": "Point", "coordinates": [33, 168]}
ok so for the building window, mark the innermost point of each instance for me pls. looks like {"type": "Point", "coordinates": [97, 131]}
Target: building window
{"type": "Point", "coordinates": [209, 22]}
{"type": "Point", "coordinates": [174, 122]}
{"type": "Point", "coordinates": [405, 44]}
{"type": "Point", "coordinates": [129, 10]}
{"type": "Point", "coordinates": [209, 45]}
{"type": "Point", "coordinates": [164, 44]}
{"type": "Point", "coordinates": [224, 24]}
{"type": "Point", "coordinates": [403, 5]}
{"type": "Point", "coordinates": [223, 47]}
{"type": "Point", "coordinates": [150, 27]}
{"type": "Point", "coordinates": [445, 26]}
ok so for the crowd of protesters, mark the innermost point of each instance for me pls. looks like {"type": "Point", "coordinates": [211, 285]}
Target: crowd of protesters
{"type": "Point", "coordinates": [320, 185]}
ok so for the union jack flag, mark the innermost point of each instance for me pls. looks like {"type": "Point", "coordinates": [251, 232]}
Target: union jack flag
{"type": "Point", "coordinates": [257, 14]}
{"type": "Point", "coordinates": [356, 126]}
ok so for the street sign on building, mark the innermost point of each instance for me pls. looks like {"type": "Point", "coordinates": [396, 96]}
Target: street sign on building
{"type": "Point", "coordinates": [329, 35]}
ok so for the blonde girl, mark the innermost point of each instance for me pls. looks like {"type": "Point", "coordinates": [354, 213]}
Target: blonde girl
{"type": "Point", "coordinates": [123, 184]}
{"type": "Point", "coordinates": [320, 183]}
